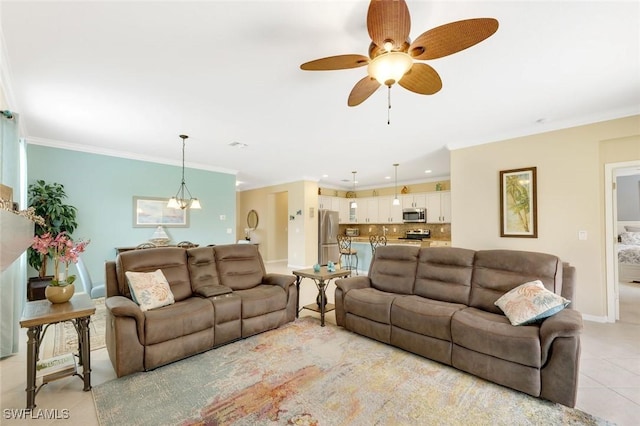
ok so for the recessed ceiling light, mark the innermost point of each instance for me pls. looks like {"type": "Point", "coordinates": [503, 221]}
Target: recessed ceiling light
{"type": "Point", "coordinates": [325, 176]}
{"type": "Point", "coordinates": [238, 183]}
{"type": "Point", "coordinates": [427, 171]}
{"type": "Point", "coordinates": [387, 177]}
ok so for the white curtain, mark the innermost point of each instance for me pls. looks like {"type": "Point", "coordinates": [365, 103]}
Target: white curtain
{"type": "Point", "coordinates": [12, 280]}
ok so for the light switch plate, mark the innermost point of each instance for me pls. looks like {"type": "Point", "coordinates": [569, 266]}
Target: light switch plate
{"type": "Point", "coordinates": [582, 235]}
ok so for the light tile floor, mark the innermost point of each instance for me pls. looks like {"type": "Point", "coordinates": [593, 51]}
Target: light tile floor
{"type": "Point", "coordinates": [609, 374]}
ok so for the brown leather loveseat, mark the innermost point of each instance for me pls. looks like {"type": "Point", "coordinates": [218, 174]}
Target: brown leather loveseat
{"type": "Point", "coordinates": [221, 293]}
{"type": "Point", "coordinates": [439, 303]}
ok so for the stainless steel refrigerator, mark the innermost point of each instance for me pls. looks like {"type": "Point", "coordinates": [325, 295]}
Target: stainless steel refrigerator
{"type": "Point", "coordinates": [328, 237]}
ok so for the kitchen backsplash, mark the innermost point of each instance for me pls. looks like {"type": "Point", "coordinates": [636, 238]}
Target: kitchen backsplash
{"type": "Point", "coordinates": [438, 231]}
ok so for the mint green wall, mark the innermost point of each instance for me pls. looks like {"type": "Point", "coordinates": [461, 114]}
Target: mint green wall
{"type": "Point", "coordinates": [102, 188]}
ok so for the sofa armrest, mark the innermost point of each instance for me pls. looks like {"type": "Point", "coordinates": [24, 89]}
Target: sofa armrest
{"type": "Point", "coordinates": [120, 306]}
{"type": "Point", "coordinates": [352, 283]}
{"type": "Point", "coordinates": [566, 323]}
{"type": "Point", "coordinates": [212, 290]}
{"type": "Point", "coordinates": [282, 280]}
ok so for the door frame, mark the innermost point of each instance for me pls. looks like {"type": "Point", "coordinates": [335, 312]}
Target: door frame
{"type": "Point", "coordinates": [611, 239]}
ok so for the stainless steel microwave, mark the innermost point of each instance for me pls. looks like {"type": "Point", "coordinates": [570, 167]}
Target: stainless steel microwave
{"type": "Point", "coordinates": [416, 215]}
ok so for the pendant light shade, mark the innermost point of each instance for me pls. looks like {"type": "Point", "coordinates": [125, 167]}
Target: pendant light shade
{"type": "Point", "coordinates": [183, 198]}
{"type": "Point", "coordinates": [396, 201]}
{"type": "Point", "coordinates": [354, 204]}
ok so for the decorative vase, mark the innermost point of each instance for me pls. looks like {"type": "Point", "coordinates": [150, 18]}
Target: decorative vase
{"type": "Point", "coordinates": [58, 293]}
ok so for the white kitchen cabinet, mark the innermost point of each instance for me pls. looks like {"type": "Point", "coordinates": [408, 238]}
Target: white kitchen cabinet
{"type": "Point", "coordinates": [371, 210]}
{"type": "Point", "coordinates": [344, 210]}
{"type": "Point", "coordinates": [439, 207]}
{"type": "Point", "coordinates": [367, 210]}
{"type": "Point", "coordinates": [387, 212]}
{"type": "Point", "coordinates": [328, 203]}
{"type": "Point", "coordinates": [414, 200]}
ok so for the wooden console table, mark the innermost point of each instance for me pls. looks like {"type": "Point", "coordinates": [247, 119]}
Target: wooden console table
{"type": "Point", "coordinates": [129, 248]}
{"type": "Point", "coordinates": [44, 313]}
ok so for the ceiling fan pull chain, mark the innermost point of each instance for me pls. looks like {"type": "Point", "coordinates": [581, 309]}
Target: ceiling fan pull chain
{"type": "Point", "coordinates": [389, 106]}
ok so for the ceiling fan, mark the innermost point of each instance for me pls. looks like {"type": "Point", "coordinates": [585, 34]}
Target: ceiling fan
{"type": "Point", "coordinates": [392, 55]}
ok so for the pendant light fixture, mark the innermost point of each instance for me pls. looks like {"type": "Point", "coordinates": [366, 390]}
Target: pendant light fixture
{"type": "Point", "coordinates": [180, 200]}
{"type": "Point", "coordinates": [396, 201]}
{"type": "Point", "coordinates": [354, 204]}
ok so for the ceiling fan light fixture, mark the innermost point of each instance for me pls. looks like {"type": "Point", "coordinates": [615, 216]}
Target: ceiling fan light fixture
{"type": "Point", "coordinates": [390, 67]}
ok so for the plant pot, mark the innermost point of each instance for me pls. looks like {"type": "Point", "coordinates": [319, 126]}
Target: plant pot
{"type": "Point", "coordinates": [59, 294]}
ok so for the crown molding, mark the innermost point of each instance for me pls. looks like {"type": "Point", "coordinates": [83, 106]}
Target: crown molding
{"type": "Point", "coordinates": [124, 154]}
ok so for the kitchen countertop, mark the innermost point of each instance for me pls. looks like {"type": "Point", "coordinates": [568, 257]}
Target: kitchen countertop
{"type": "Point", "coordinates": [396, 240]}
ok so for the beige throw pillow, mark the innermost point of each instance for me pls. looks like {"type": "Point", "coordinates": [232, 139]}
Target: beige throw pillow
{"type": "Point", "coordinates": [530, 302]}
{"type": "Point", "coordinates": [150, 289]}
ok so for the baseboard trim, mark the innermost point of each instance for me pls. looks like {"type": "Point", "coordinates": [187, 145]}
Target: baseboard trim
{"type": "Point", "coordinates": [594, 318]}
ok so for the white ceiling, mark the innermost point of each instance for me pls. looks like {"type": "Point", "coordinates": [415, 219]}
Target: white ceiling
{"type": "Point", "coordinates": [126, 78]}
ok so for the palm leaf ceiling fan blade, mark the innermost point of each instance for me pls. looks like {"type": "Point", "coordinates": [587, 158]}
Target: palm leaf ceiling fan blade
{"type": "Point", "coordinates": [422, 79]}
{"type": "Point", "coordinates": [389, 21]}
{"type": "Point", "coordinates": [362, 90]}
{"type": "Point", "coordinates": [340, 62]}
{"type": "Point", "coordinates": [452, 37]}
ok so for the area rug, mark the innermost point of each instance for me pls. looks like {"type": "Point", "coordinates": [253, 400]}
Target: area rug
{"type": "Point", "coordinates": [304, 374]}
{"type": "Point", "coordinates": [66, 339]}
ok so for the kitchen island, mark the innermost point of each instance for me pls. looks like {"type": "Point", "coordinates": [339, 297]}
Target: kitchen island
{"type": "Point", "coordinates": [365, 254]}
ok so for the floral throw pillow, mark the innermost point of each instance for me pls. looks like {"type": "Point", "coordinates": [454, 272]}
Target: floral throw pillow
{"type": "Point", "coordinates": [630, 238]}
{"type": "Point", "coordinates": [150, 289]}
{"type": "Point", "coordinates": [530, 302]}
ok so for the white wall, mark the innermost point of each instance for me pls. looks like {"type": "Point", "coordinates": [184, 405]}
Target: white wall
{"type": "Point", "coordinates": [570, 165]}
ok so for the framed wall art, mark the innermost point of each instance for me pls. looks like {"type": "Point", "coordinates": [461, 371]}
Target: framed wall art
{"type": "Point", "coordinates": [518, 203]}
{"type": "Point", "coordinates": [149, 212]}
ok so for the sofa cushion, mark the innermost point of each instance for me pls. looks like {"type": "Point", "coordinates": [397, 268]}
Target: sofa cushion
{"type": "Point", "coordinates": [180, 319]}
{"type": "Point", "coordinates": [149, 290]}
{"type": "Point", "coordinates": [394, 268]}
{"type": "Point", "coordinates": [201, 262]}
{"type": "Point", "coordinates": [498, 271]}
{"type": "Point", "coordinates": [493, 334]}
{"type": "Point", "coordinates": [444, 273]}
{"type": "Point", "coordinates": [171, 260]}
{"type": "Point", "coordinates": [530, 302]}
{"type": "Point", "coordinates": [261, 300]}
{"type": "Point", "coordinates": [424, 316]}
{"type": "Point", "coordinates": [370, 303]}
{"type": "Point", "coordinates": [240, 266]}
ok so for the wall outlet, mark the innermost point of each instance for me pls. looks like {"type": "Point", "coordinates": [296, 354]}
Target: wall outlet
{"type": "Point", "coordinates": [229, 230]}
{"type": "Point", "coordinates": [582, 235]}
{"type": "Point", "coordinates": [223, 217]}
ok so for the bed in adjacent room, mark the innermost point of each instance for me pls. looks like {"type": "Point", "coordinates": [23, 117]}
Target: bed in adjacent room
{"type": "Point", "coordinates": [629, 252]}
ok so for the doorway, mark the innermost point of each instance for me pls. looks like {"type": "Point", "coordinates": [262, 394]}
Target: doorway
{"type": "Point", "coordinates": [622, 296]}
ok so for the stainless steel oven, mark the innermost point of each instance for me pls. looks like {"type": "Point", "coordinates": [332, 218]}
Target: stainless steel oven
{"type": "Point", "coordinates": [415, 215]}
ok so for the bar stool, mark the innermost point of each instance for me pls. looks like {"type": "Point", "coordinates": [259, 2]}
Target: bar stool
{"type": "Point", "coordinates": [344, 244]}
{"type": "Point", "coordinates": [377, 240]}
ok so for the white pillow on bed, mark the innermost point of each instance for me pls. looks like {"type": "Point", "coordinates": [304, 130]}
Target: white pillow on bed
{"type": "Point", "coordinates": [630, 238]}
{"type": "Point", "coordinates": [632, 228]}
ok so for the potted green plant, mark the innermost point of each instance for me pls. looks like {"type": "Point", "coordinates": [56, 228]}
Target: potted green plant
{"type": "Point", "coordinates": [47, 201]}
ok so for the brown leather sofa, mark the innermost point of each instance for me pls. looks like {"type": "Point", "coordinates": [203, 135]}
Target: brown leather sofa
{"type": "Point", "coordinates": [222, 294]}
{"type": "Point", "coordinates": [439, 303]}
